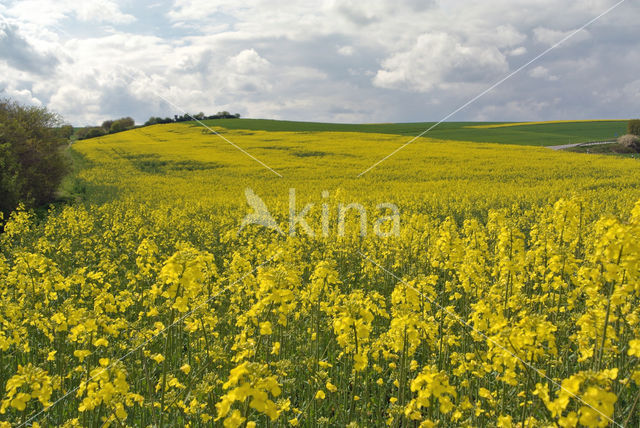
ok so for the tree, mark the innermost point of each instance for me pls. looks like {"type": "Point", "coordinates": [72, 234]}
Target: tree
{"type": "Point", "coordinates": [633, 127]}
{"type": "Point", "coordinates": [121, 125]}
{"type": "Point", "coordinates": [65, 131]}
{"type": "Point", "coordinates": [187, 117]}
{"type": "Point", "coordinates": [106, 125]}
{"type": "Point", "coordinates": [117, 126]}
{"type": "Point", "coordinates": [152, 121]}
{"type": "Point", "coordinates": [128, 122]}
{"type": "Point", "coordinates": [95, 131]}
{"type": "Point", "coordinates": [31, 162]}
{"type": "Point", "coordinates": [90, 132]}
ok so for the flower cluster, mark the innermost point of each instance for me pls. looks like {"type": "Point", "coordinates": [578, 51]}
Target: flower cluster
{"type": "Point", "coordinates": [510, 296]}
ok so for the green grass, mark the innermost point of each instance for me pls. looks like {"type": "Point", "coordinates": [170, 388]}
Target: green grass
{"type": "Point", "coordinates": [72, 186]}
{"type": "Point", "coordinates": [533, 135]}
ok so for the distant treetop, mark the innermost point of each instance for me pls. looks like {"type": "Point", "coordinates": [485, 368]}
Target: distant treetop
{"type": "Point", "coordinates": [187, 117]}
{"type": "Point", "coordinates": [107, 127]}
{"type": "Point", "coordinates": [125, 123]}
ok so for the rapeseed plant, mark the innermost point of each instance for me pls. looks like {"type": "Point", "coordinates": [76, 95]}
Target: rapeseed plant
{"type": "Point", "coordinates": [509, 297]}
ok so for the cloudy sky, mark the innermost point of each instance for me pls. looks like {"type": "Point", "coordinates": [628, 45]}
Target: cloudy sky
{"type": "Point", "coordinates": [322, 60]}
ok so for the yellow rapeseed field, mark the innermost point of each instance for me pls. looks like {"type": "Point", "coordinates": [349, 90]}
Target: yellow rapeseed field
{"type": "Point", "coordinates": [547, 122]}
{"type": "Point", "coordinates": [503, 291]}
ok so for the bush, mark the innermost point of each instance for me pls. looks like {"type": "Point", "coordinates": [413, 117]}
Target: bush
{"type": "Point", "coordinates": [116, 127]}
{"type": "Point", "coordinates": [31, 161]}
{"type": "Point", "coordinates": [90, 132]}
{"type": "Point", "coordinates": [188, 117]}
{"type": "Point", "coordinates": [224, 115]}
{"type": "Point", "coordinates": [633, 127]}
{"type": "Point", "coordinates": [630, 141]}
{"type": "Point", "coordinates": [121, 125]}
{"type": "Point", "coordinates": [152, 121]}
{"type": "Point", "coordinates": [65, 131]}
{"type": "Point", "coordinates": [155, 120]}
{"type": "Point", "coordinates": [95, 132]}
{"type": "Point", "coordinates": [106, 125]}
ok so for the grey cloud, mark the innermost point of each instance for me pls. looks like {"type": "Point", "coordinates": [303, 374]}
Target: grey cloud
{"type": "Point", "coordinates": [357, 16]}
{"type": "Point", "coordinates": [20, 54]}
{"type": "Point", "coordinates": [365, 13]}
{"type": "Point", "coordinates": [343, 60]}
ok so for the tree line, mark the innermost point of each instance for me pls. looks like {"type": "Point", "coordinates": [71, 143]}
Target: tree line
{"type": "Point", "coordinates": [187, 117]}
{"type": "Point", "coordinates": [126, 123]}
{"type": "Point", "coordinates": [107, 127]}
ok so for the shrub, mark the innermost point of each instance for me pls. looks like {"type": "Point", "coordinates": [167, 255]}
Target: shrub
{"type": "Point", "coordinates": [633, 127]}
{"type": "Point", "coordinates": [65, 131]}
{"type": "Point", "coordinates": [116, 127]}
{"type": "Point", "coordinates": [224, 115]}
{"type": "Point", "coordinates": [31, 161]}
{"type": "Point", "coordinates": [188, 117]}
{"type": "Point", "coordinates": [630, 141]}
{"type": "Point", "coordinates": [121, 125]}
{"type": "Point", "coordinates": [91, 132]}
{"type": "Point", "coordinates": [95, 132]}
{"type": "Point", "coordinates": [152, 121]}
{"type": "Point", "coordinates": [155, 120]}
{"type": "Point", "coordinates": [106, 125]}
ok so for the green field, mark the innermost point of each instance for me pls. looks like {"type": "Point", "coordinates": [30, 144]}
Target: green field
{"type": "Point", "coordinates": [549, 134]}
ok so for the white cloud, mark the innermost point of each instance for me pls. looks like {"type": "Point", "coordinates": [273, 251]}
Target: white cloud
{"type": "Point", "coordinates": [503, 36]}
{"type": "Point", "coordinates": [102, 11]}
{"type": "Point", "coordinates": [550, 37]}
{"type": "Point", "coordinates": [248, 61]}
{"type": "Point", "coordinates": [41, 12]}
{"type": "Point", "coordinates": [45, 12]}
{"type": "Point", "coordinates": [517, 51]}
{"type": "Point", "coordinates": [440, 58]}
{"type": "Point", "coordinates": [346, 50]}
{"type": "Point", "coordinates": [23, 96]}
{"type": "Point", "coordinates": [192, 10]}
{"type": "Point", "coordinates": [541, 72]}
{"type": "Point", "coordinates": [71, 99]}
{"type": "Point", "coordinates": [326, 60]}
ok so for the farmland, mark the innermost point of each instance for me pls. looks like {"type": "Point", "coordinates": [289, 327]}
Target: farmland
{"type": "Point", "coordinates": [509, 296]}
{"type": "Point", "coordinates": [534, 134]}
